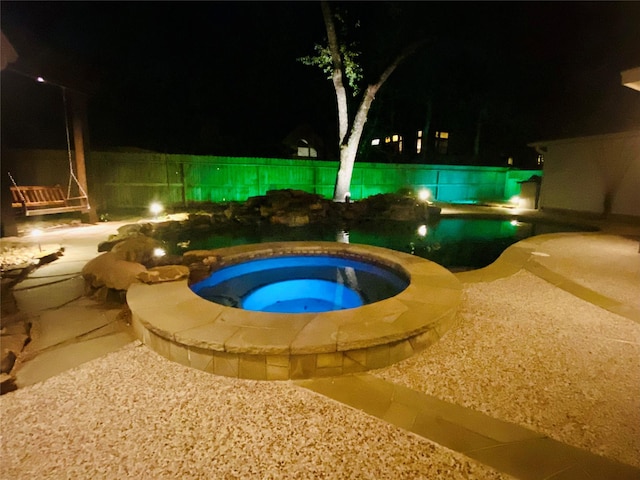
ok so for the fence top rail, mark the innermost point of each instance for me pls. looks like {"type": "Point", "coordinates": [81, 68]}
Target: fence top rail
{"type": "Point", "coordinates": [161, 158]}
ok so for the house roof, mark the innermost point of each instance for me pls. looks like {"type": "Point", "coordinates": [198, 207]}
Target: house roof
{"type": "Point", "coordinates": [34, 58]}
{"type": "Point", "coordinates": [305, 132]}
{"type": "Point", "coordinates": [631, 78]}
{"type": "Point", "coordinates": [542, 144]}
{"type": "Point", "coordinates": [8, 54]}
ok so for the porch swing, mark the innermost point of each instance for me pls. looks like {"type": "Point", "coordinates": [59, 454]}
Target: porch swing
{"type": "Point", "coordinates": [42, 200]}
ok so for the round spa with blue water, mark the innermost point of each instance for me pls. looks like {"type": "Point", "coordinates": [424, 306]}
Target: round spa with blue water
{"type": "Point", "coordinates": [302, 283]}
{"type": "Point", "coordinates": [293, 310]}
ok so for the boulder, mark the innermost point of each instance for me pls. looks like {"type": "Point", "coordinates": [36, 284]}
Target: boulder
{"type": "Point", "coordinates": [290, 219]}
{"type": "Point", "coordinates": [392, 206]}
{"type": "Point", "coordinates": [7, 361]}
{"type": "Point", "coordinates": [12, 345]}
{"type": "Point", "coordinates": [405, 212]}
{"type": "Point", "coordinates": [137, 249]}
{"type": "Point", "coordinates": [108, 296]}
{"type": "Point", "coordinates": [15, 324]}
{"type": "Point", "coordinates": [200, 218]}
{"type": "Point", "coordinates": [129, 229]}
{"type": "Point", "coordinates": [433, 210]}
{"type": "Point", "coordinates": [167, 273]}
{"type": "Point", "coordinates": [112, 272]}
{"type": "Point", "coordinates": [7, 383]}
{"type": "Point", "coordinates": [108, 245]}
{"type": "Point", "coordinates": [126, 232]}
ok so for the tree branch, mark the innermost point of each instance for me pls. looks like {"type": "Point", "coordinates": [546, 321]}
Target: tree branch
{"type": "Point", "coordinates": [402, 56]}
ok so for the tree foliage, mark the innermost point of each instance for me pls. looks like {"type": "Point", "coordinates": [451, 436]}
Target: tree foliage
{"type": "Point", "coordinates": [352, 68]}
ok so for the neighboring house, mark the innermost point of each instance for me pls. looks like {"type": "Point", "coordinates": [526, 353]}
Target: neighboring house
{"type": "Point", "coordinates": [394, 143]}
{"type": "Point", "coordinates": [598, 174]}
{"type": "Point", "coordinates": [304, 142]}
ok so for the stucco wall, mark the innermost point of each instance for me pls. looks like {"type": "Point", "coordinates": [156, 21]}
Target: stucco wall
{"type": "Point", "coordinates": [578, 173]}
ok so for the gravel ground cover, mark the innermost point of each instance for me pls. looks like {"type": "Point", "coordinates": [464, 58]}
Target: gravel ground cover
{"type": "Point", "coordinates": [525, 352]}
{"type": "Point", "coordinates": [532, 354]}
{"type": "Point", "coordinates": [134, 414]}
{"type": "Point", "coordinates": [14, 254]}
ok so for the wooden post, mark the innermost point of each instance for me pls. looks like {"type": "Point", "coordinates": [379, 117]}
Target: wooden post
{"type": "Point", "coordinates": [79, 120]}
{"type": "Point", "coordinates": [8, 226]}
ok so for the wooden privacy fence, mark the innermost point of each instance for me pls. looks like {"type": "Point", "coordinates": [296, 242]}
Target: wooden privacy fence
{"type": "Point", "coordinates": [134, 180]}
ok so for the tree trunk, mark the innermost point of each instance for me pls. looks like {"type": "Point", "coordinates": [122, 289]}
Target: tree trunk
{"type": "Point", "coordinates": [349, 144]}
{"type": "Point", "coordinates": [336, 77]}
{"type": "Point", "coordinates": [349, 150]}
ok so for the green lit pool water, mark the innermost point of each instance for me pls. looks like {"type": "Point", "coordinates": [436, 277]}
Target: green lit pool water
{"type": "Point", "coordinates": [455, 243]}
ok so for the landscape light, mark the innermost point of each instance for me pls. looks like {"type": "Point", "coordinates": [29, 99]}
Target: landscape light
{"type": "Point", "coordinates": [515, 200]}
{"type": "Point", "coordinates": [37, 233]}
{"type": "Point", "coordinates": [159, 252]}
{"type": "Point", "coordinates": [39, 79]}
{"type": "Point", "coordinates": [155, 208]}
{"type": "Point", "coordinates": [422, 230]}
{"type": "Point", "coordinates": [342, 236]}
{"type": "Point", "coordinates": [424, 194]}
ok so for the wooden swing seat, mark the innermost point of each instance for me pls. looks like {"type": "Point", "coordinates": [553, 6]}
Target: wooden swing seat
{"type": "Point", "coordinates": [39, 200]}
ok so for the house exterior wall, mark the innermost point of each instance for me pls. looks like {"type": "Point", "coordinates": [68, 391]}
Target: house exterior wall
{"type": "Point", "coordinates": [598, 174]}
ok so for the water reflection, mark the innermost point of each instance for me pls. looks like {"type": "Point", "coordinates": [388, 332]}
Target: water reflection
{"type": "Point", "coordinates": [456, 243]}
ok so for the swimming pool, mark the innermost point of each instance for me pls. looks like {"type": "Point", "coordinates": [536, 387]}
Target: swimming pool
{"type": "Point", "coordinates": [456, 243]}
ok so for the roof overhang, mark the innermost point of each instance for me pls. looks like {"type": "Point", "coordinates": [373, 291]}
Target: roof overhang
{"type": "Point", "coordinates": [8, 54]}
{"type": "Point", "coordinates": [631, 78]}
{"type": "Point", "coordinates": [541, 146]}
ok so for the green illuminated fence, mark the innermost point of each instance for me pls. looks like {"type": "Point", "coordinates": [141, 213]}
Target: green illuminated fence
{"type": "Point", "coordinates": [133, 180]}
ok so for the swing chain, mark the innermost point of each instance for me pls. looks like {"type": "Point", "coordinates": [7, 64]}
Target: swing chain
{"type": "Point", "coordinates": [71, 171]}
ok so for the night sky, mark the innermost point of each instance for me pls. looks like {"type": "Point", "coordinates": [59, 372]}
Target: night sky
{"type": "Point", "coordinates": [222, 78]}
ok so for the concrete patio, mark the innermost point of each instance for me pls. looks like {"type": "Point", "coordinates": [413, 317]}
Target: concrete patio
{"type": "Point", "coordinates": [93, 402]}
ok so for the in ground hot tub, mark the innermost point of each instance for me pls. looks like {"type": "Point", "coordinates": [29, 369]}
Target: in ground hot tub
{"type": "Point", "coordinates": [366, 307]}
{"type": "Point", "coordinates": [301, 283]}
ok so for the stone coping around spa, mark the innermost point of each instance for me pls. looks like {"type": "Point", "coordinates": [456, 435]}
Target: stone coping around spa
{"type": "Point", "coordinates": [174, 312]}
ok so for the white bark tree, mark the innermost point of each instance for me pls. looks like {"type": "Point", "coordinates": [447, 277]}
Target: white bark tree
{"type": "Point", "coordinates": [341, 62]}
